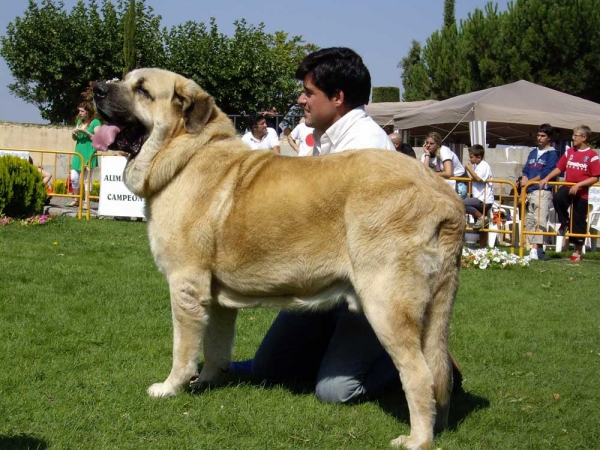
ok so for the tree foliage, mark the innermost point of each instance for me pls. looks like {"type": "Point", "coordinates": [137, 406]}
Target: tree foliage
{"type": "Point", "coordinates": [249, 71]}
{"type": "Point", "coordinates": [129, 39]}
{"type": "Point", "coordinates": [386, 94]}
{"type": "Point", "coordinates": [449, 16]}
{"type": "Point", "coordinates": [54, 54]}
{"type": "Point", "coordinates": [554, 43]}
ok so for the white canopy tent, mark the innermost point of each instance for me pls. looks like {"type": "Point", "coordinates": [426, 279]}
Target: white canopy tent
{"type": "Point", "coordinates": [383, 113]}
{"type": "Point", "coordinates": [508, 114]}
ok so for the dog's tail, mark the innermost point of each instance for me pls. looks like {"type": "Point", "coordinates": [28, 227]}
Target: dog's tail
{"type": "Point", "coordinates": [450, 233]}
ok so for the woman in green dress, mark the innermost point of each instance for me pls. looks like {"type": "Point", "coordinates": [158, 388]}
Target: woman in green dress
{"type": "Point", "coordinates": [82, 133]}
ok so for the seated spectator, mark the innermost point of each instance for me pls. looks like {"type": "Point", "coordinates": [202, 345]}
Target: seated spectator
{"type": "Point", "coordinates": [443, 161]}
{"type": "Point", "coordinates": [46, 176]}
{"type": "Point", "coordinates": [482, 193]}
{"type": "Point", "coordinates": [258, 138]}
{"type": "Point", "coordinates": [582, 167]}
{"type": "Point", "coordinates": [401, 147]}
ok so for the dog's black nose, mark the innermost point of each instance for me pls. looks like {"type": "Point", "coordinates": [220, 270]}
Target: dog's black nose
{"type": "Point", "coordinates": [100, 90]}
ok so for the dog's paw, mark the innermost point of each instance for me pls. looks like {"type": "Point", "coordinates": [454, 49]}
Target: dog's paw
{"type": "Point", "coordinates": [161, 390]}
{"type": "Point", "coordinates": [410, 443]}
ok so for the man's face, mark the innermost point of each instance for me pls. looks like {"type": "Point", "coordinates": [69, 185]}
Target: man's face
{"type": "Point", "coordinates": [320, 111]}
{"type": "Point", "coordinates": [261, 126]}
{"type": "Point", "coordinates": [542, 139]}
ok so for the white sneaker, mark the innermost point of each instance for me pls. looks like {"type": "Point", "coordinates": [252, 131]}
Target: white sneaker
{"type": "Point", "coordinates": [533, 253]}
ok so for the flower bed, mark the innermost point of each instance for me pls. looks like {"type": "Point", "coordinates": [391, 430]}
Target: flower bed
{"type": "Point", "coordinates": [491, 258]}
{"type": "Point", "coordinates": [33, 220]}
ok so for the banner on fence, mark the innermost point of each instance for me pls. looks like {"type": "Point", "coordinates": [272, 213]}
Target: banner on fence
{"type": "Point", "coordinates": [115, 199]}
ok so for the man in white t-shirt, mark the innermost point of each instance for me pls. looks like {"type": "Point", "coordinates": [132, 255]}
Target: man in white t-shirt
{"type": "Point", "coordinates": [337, 348]}
{"type": "Point", "coordinates": [301, 139]}
{"type": "Point", "coordinates": [259, 138]}
{"type": "Point", "coordinates": [482, 192]}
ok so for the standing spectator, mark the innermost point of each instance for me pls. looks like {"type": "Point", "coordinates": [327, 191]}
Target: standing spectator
{"type": "Point", "coordinates": [301, 139]}
{"type": "Point", "coordinates": [540, 162]}
{"type": "Point", "coordinates": [82, 133]}
{"type": "Point", "coordinates": [582, 167]}
{"type": "Point", "coordinates": [402, 147]}
{"type": "Point", "coordinates": [443, 161]}
{"type": "Point", "coordinates": [482, 193]}
{"type": "Point", "coordinates": [259, 138]}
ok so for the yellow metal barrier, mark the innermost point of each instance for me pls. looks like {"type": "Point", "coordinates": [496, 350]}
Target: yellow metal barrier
{"type": "Point", "coordinates": [54, 155]}
{"type": "Point", "coordinates": [538, 231]}
{"type": "Point", "coordinates": [500, 202]}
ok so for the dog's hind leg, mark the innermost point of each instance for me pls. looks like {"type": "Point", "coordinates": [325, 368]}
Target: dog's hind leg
{"type": "Point", "coordinates": [435, 338]}
{"type": "Point", "coordinates": [394, 302]}
{"type": "Point", "coordinates": [190, 300]}
{"type": "Point", "coordinates": [218, 342]}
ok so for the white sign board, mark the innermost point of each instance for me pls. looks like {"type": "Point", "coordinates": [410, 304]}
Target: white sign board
{"type": "Point", "coordinates": [22, 155]}
{"type": "Point", "coordinates": [115, 199]}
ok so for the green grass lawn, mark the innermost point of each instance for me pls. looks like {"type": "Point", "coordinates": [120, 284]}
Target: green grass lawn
{"type": "Point", "coordinates": [85, 328]}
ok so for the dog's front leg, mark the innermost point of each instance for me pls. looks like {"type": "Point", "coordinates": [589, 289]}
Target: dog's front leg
{"type": "Point", "coordinates": [218, 342]}
{"type": "Point", "coordinates": [190, 300]}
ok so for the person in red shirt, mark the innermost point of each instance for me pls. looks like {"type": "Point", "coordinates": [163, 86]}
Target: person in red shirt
{"type": "Point", "coordinates": [582, 167]}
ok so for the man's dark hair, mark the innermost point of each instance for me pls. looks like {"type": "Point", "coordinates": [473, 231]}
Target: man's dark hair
{"type": "Point", "coordinates": [477, 150]}
{"type": "Point", "coordinates": [546, 128]}
{"type": "Point", "coordinates": [337, 69]}
{"type": "Point", "coordinates": [253, 119]}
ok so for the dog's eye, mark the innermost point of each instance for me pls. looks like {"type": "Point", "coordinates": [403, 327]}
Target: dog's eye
{"type": "Point", "coordinates": [144, 92]}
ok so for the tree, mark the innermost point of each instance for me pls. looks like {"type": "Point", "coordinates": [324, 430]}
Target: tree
{"type": "Point", "coordinates": [554, 43]}
{"type": "Point", "coordinates": [250, 71]}
{"type": "Point", "coordinates": [415, 77]}
{"type": "Point", "coordinates": [53, 55]}
{"type": "Point", "coordinates": [449, 17]}
{"type": "Point", "coordinates": [247, 72]}
{"type": "Point", "coordinates": [386, 94]}
{"type": "Point", "coordinates": [129, 39]}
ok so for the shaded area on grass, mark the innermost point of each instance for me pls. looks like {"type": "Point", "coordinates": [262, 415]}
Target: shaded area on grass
{"type": "Point", "coordinates": [22, 442]}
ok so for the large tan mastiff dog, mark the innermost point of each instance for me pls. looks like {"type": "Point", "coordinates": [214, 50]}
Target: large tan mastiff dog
{"type": "Point", "coordinates": [233, 228]}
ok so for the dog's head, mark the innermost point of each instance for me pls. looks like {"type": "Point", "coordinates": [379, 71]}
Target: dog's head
{"type": "Point", "coordinates": [149, 104]}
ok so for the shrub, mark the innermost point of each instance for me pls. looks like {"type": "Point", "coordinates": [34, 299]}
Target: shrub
{"type": "Point", "coordinates": [60, 187]}
{"type": "Point", "coordinates": [22, 189]}
{"type": "Point", "coordinates": [95, 188]}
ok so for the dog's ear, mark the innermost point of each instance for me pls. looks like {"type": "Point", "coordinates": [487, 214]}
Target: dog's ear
{"type": "Point", "coordinates": [197, 105]}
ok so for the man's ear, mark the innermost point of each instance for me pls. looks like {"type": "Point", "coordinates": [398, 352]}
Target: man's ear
{"type": "Point", "coordinates": [338, 98]}
{"type": "Point", "coordinates": [197, 105]}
